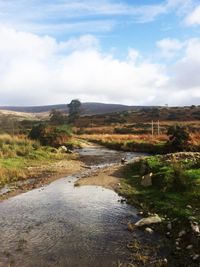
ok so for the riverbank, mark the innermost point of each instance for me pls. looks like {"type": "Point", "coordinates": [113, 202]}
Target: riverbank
{"type": "Point", "coordinates": [172, 191]}
{"type": "Point", "coordinates": [25, 164]}
{"type": "Point", "coordinates": [144, 143]}
{"type": "Point", "coordinates": [41, 175]}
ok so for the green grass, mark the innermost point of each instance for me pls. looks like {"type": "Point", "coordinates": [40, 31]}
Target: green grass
{"type": "Point", "coordinates": [174, 187]}
{"type": "Point", "coordinates": [19, 153]}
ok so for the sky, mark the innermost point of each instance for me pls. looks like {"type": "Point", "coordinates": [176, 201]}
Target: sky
{"type": "Point", "coordinates": [144, 52]}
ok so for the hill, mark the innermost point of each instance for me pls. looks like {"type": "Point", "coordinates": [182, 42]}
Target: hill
{"type": "Point", "coordinates": [88, 108]}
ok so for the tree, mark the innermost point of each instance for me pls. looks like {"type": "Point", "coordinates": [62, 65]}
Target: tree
{"type": "Point", "coordinates": [178, 138]}
{"type": "Point", "coordinates": [74, 110]}
{"type": "Point", "coordinates": [57, 117]}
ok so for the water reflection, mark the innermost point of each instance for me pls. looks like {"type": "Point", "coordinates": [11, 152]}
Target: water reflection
{"type": "Point", "coordinates": [63, 225]}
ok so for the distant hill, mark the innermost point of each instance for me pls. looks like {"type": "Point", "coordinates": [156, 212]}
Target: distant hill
{"type": "Point", "coordinates": [87, 108]}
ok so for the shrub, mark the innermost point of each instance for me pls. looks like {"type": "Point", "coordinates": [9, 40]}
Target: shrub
{"type": "Point", "coordinates": [178, 138]}
{"type": "Point", "coordinates": [50, 135]}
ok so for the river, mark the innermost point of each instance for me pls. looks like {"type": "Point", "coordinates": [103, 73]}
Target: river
{"type": "Point", "coordinates": [65, 226]}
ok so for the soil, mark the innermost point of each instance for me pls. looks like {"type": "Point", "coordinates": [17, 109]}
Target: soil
{"type": "Point", "coordinates": [108, 177]}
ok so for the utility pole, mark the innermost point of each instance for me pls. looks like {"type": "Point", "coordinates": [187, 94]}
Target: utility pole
{"type": "Point", "coordinates": [152, 132]}
{"type": "Point", "coordinates": [158, 127]}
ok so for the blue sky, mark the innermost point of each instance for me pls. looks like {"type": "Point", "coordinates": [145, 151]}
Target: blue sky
{"type": "Point", "coordinates": [134, 52]}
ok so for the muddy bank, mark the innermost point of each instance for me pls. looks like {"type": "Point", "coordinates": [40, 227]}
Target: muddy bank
{"type": "Point", "coordinates": [104, 178]}
{"type": "Point", "coordinates": [42, 175]}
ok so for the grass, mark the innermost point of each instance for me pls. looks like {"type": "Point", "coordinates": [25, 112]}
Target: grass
{"type": "Point", "coordinates": [17, 154]}
{"type": "Point", "coordinates": [174, 187]}
{"type": "Point", "coordinates": [135, 143]}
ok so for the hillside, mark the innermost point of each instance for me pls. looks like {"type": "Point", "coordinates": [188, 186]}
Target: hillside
{"type": "Point", "coordinates": [88, 108]}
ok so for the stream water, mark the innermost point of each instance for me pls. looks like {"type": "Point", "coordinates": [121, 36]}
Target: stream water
{"type": "Point", "coordinates": [65, 226]}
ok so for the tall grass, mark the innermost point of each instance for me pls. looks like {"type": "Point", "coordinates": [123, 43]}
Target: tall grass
{"type": "Point", "coordinates": [17, 153]}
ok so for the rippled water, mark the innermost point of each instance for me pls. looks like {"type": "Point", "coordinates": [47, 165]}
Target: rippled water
{"type": "Point", "coordinates": [62, 225]}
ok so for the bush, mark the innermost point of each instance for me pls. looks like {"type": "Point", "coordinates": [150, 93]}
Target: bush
{"type": "Point", "coordinates": [50, 135]}
{"type": "Point", "coordinates": [178, 138]}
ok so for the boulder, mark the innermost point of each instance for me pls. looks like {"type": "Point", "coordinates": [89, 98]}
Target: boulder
{"type": "Point", "coordinates": [148, 221]}
{"type": "Point", "coordinates": [147, 180]}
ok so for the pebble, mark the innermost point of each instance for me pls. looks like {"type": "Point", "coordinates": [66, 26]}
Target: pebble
{"type": "Point", "coordinates": [189, 247]}
{"type": "Point", "coordinates": [168, 234]}
{"type": "Point", "coordinates": [195, 257]}
{"type": "Point", "coordinates": [149, 230]}
{"type": "Point", "coordinates": [195, 228]}
{"type": "Point", "coordinates": [169, 226]}
{"type": "Point", "coordinates": [182, 233]}
{"type": "Point", "coordinates": [165, 261]}
{"type": "Point", "coordinates": [130, 226]}
{"type": "Point", "coordinates": [189, 207]}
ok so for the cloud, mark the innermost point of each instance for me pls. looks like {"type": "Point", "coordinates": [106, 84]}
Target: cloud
{"type": "Point", "coordinates": [38, 70]}
{"type": "Point", "coordinates": [194, 17]}
{"type": "Point", "coordinates": [169, 47]}
{"type": "Point", "coordinates": [80, 16]}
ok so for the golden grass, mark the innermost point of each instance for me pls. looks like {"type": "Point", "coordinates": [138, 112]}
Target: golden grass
{"type": "Point", "coordinates": [126, 137]}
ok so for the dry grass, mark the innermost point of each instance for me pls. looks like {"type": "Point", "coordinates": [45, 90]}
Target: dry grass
{"type": "Point", "coordinates": [125, 138]}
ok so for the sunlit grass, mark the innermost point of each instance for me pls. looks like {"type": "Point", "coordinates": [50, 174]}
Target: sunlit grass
{"type": "Point", "coordinates": [18, 153]}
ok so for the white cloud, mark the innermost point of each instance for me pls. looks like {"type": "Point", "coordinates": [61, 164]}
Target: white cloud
{"type": "Point", "coordinates": [194, 17]}
{"type": "Point", "coordinates": [40, 70]}
{"type": "Point", "coordinates": [169, 47]}
{"type": "Point", "coordinates": [45, 17]}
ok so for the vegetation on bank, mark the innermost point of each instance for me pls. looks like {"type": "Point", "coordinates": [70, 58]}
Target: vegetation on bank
{"type": "Point", "coordinates": [175, 189]}
{"type": "Point", "coordinates": [18, 154]}
{"type": "Point", "coordinates": [176, 139]}
{"type": "Point", "coordinates": [42, 143]}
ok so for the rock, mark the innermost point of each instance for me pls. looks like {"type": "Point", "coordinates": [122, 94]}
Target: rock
{"type": "Point", "coordinates": [69, 151]}
{"type": "Point", "coordinates": [62, 148]}
{"type": "Point", "coordinates": [189, 207]}
{"type": "Point", "coordinates": [191, 218]}
{"type": "Point", "coordinates": [148, 221]}
{"type": "Point", "coordinates": [165, 261]}
{"type": "Point", "coordinates": [169, 226]}
{"type": "Point", "coordinates": [123, 160]}
{"type": "Point", "coordinates": [195, 228]}
{"type": "Point", "coordinates": [178, 248]}
{"type": "Point", "coordinates": [196, 257]}
{"type": "Point", "coordinates": [140, 213]}
{"type": "Point", "coordinates": [189, 247]}
{"type": "Point", "coordinates": [130, 226]}
{"type": "Point", "coordinates": [168, 234]}
{"type": "Point", "coordinates": [181, 233]}
{"type": "Point", "coordinates": [147, 180]}
{"type": "Point", "coordinates": [149, 230]}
